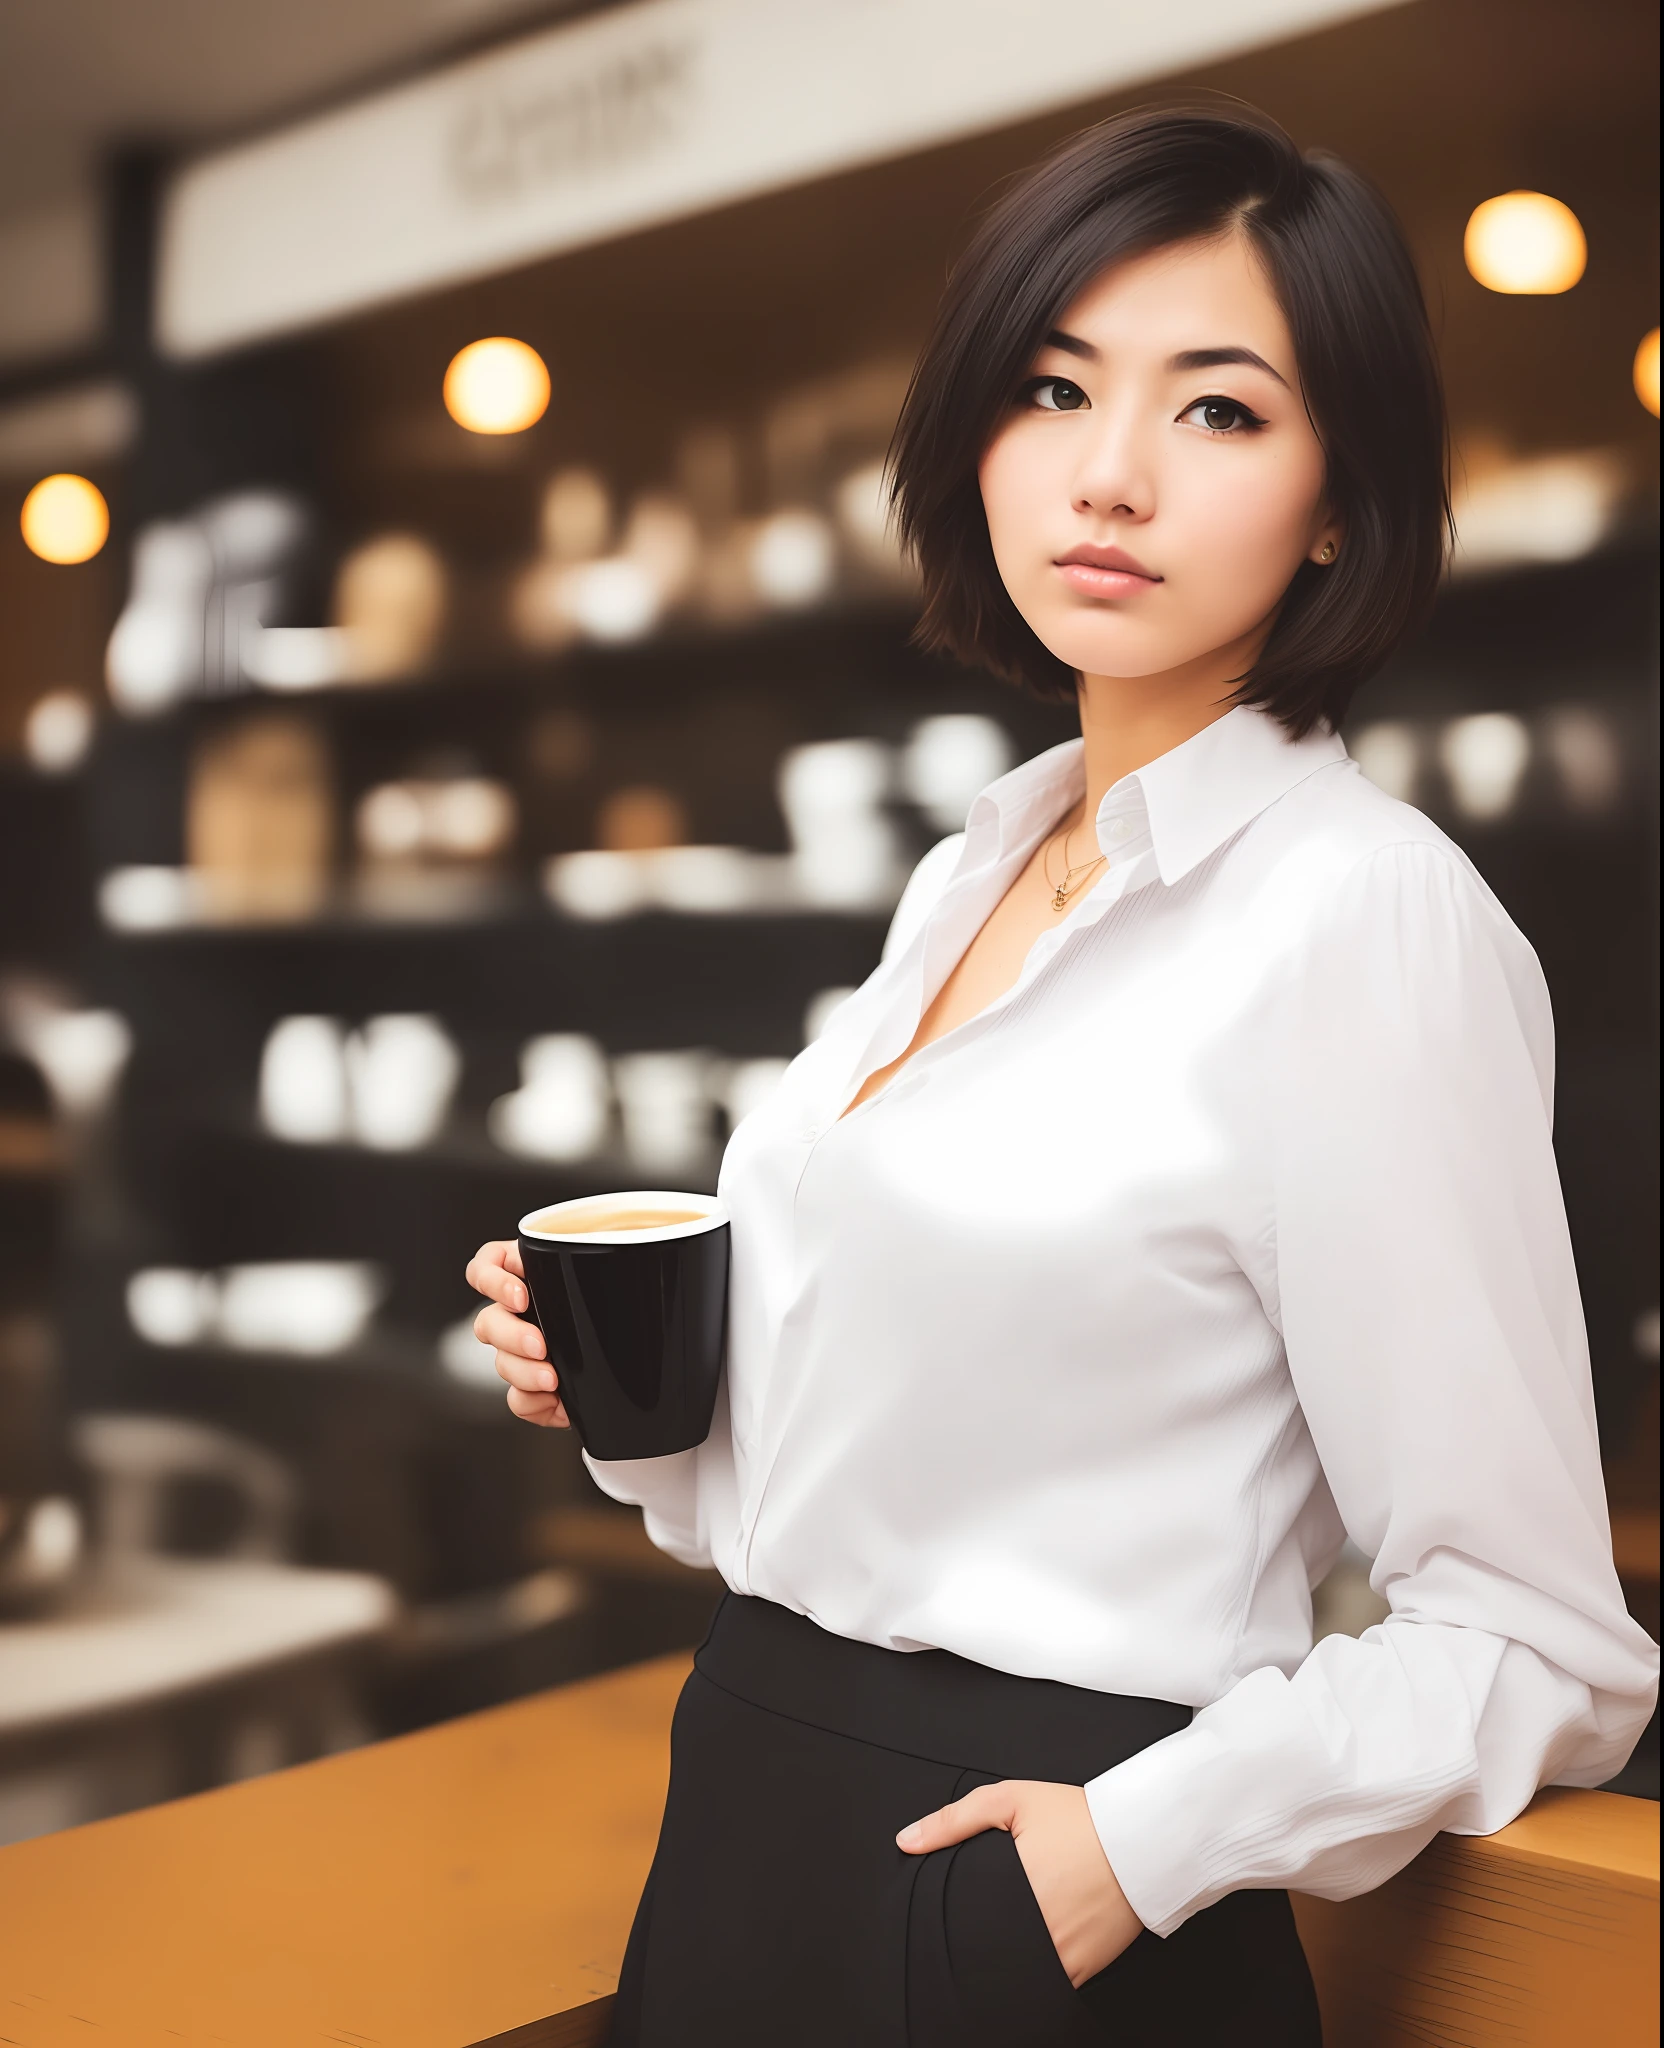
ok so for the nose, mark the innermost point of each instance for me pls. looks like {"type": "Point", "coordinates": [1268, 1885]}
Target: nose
{"type": "Point", "coordinates": [1114, 476]}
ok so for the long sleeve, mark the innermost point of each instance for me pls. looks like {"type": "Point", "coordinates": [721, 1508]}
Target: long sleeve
{"type": "Point", "coordinates": [667, 1492]}
{"type": "Point", "coordinates": [1421, 1276]}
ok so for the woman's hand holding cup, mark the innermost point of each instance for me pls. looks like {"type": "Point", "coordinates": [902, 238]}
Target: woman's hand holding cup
{"type": "Point", "coordinates": [496, 1271]}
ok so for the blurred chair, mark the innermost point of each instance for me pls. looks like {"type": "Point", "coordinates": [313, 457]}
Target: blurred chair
{"type": "Point", "coordinates": [134, 1459]}
{"type": "Point", "coordinates": [155, 1675]}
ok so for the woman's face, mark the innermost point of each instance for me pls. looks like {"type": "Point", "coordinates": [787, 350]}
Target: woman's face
{"type": "Point", "coordinates": [1157, 482]}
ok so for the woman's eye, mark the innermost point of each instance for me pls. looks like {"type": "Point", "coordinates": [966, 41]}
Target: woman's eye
{"type": "Point", "coordinates": [1222, 416]}
{"type": "Point", "coordinates": [1056, 394]}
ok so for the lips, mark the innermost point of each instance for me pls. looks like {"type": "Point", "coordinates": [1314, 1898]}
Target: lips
{"type": "Point", "coordinates": [1090, 557]}
{"type": "Point", "coordinates": [1105, 572]}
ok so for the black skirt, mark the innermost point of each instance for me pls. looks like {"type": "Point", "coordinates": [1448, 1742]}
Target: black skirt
{"type": "Point", "coordinates": [779, 1912]}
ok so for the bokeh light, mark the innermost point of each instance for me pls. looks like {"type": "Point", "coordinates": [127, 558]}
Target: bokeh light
{"type": "Point", "coordinates": [1646, 372]}
{"type": "Point", "coordinates": [1485, 756]}
{"type": "Point", "coordinates": [793, 559]}
{"type": "Point", "coordinates": [1525, 242]}
{"type": "Point", "coordinates": [497, 386]}
{"type": "Point", "coordinates": [65, 519]}
{"type": "Point", "coordinates": [58, 731]}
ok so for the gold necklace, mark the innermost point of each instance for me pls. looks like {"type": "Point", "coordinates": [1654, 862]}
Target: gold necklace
{"type": "Point", "coordinates": [1061, 891]}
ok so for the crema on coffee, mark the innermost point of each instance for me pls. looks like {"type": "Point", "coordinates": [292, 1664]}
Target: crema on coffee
{"type": "Point", "coordinates": [588, 1222]}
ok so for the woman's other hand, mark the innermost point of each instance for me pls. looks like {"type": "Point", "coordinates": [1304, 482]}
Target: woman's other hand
{"type": "Point", "coordinates": [1085, 1910]}
{"type": "Point", "coordinates": [522, 1358]}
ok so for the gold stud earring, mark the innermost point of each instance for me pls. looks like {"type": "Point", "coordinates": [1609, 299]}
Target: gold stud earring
{"type": "Point", "coordinates": [1327, 552]}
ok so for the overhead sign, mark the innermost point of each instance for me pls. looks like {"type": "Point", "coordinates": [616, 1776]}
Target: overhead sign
{"type": "Point", "coordinates": [639, 115]}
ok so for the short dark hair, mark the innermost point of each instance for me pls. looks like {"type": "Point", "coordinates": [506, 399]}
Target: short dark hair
{"type": "Point", "coordinates": [1343, 274]}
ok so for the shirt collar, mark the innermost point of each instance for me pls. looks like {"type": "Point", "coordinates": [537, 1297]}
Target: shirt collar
{"type": "Point", "coordinates": [1195, 797]}
{"type": "Point", "coordinates": [1203, 792]}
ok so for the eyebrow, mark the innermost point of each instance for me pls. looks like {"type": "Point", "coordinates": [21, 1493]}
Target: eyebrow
{"type": "Point", "coordinates": [1186, 359]}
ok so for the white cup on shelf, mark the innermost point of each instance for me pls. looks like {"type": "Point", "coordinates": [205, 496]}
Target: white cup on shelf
{"type": "Point", "coordinates": [701, 880]}
{"type": "Point", "coordinates": [303, 1081]}
{"type": "Point", "coordinates": [559, 1111]}
{"type": "Point", "coordinates": [598, 884]}
{"type": "Point", "coordinates": [665, 1104]}
{"type": "Point", "coordinates": [402, 1070]}
{"type": "Point", "coordinates": [948, 760]}
{"type": "Point", "coordinates": [172, 1304]}
{"type": "Point", "coordinates": [311, 1307]}
{"type": "Point", "coordinates": [844, 849]}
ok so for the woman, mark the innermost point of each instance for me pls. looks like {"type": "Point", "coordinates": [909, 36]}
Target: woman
{"type": "Point", "coordinates": [1175, 1200]}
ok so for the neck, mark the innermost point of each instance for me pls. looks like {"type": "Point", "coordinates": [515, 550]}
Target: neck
{"type": "Point", "coordinates": [1128, 721]}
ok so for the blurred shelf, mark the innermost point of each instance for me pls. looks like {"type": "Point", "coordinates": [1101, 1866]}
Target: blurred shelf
{"type": "Point", "coordinates": [30, 1148]}
{"type": "Point", "coordinates": [855, 621]}
{"type": "Point", "coordinates": [513, 905]}
{"type": "Point", "coordinates": [736, 985]}
{"type": "Point", "coordinates": [458, 1151]}
{"type": "Point", "coordinates": [230, 1193]}
{"type": "Point", "coordinates": [1635, 1544]}
{"type": "Point", "coordinates": [525, 912]}
{"type": "Point", "coordinates": [382, 1356]}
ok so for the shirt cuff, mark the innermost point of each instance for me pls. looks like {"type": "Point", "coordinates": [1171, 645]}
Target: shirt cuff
{"type": "Point", "coordinates": [637, 1481]}
{"type": "Point", "coordinates": [1140, 1811]}
{"type": "Point", "coordinates": [663, 1488]}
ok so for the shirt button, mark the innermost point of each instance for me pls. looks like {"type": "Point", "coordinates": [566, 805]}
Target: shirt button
{"type": "Point", "coordinates": [1118, 829]}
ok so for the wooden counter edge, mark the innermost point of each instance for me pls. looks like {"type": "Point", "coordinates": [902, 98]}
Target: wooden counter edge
{"type": "Point", "coordinates": [585, 2026]}
{"type": "Point", "coordinates": [1607, 1837]}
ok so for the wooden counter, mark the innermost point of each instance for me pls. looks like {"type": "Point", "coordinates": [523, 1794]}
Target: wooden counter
{"type": "Point", "coordinates": [1539, 1936]}
{"type": "Point", "coordinates": [474, 1883]}
{"type": "Point", "coordinates": [438, 1890]}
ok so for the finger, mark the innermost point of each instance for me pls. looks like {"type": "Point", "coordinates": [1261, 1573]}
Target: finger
{"type": "Point", "coordinates": [495, 1270]}
{"type": "Point", "coordinates": [989, 1806]}
{"type": "Point", "coordinates": [483, 1268]}
{"type": "Point", "coordinates": [523, 1373]}
{"type": "Point", "coordinates": [505, 1332]}
{"type": "Point", "coordinates": [547, 1410]}
{"type": "Point", "coordinates": [530, 1375]}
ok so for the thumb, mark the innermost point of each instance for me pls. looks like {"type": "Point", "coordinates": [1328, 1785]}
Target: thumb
{"type": "Point", "coordinates": [989, 1806]}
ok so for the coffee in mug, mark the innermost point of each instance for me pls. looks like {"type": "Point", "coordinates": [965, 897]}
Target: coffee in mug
{"type": "Point", "coordinates": [587, 1218]}
{"type": "Point", "coordinates": [631, 1294]}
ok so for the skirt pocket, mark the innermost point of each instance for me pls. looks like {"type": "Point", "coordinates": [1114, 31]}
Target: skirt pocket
{"type": "Point", "coordinates": [981, 1968]}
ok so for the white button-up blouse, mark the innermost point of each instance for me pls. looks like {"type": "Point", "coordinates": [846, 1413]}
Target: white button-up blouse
{"type": "Point", "coordinates": [1231, 1229]}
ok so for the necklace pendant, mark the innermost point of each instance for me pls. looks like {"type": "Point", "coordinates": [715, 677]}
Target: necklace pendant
{"type": "Point", "coordinates": [1059, 900]}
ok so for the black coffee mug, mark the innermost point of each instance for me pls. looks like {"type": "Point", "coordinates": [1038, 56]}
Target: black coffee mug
{"type": "Point", "coordinates": [635, 1319]}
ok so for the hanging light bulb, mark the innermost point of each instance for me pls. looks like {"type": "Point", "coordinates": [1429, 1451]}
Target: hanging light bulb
{"type": "Point", "coordinates": [1646, 372]}
{"type": "Point", "coordinates": [498, 386]}
{"type": "Point", "coordinates": [1525, 242]}
{"type": "Point", "coordinates": [65, 519]}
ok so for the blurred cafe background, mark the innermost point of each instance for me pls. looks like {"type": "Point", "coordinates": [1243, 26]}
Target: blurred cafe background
{"type": "Point", "coordinates": [459, 737]}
